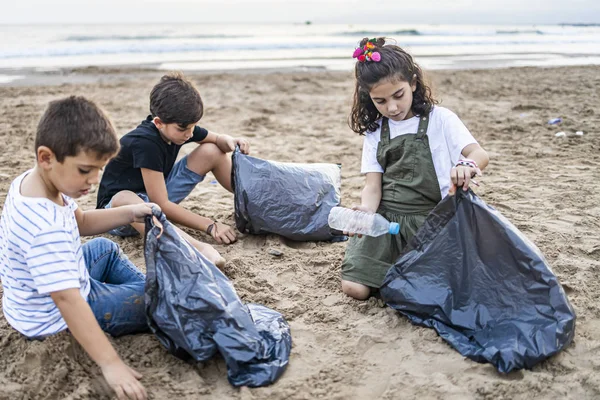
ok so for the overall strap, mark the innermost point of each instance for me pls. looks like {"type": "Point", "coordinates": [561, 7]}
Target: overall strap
{"type": "Point", "coordinates": [385, 131]}
{"type": "Point", "coordinates": [423, 124]}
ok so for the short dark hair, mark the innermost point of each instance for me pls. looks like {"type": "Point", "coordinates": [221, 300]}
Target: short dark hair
{"type": "Point", "coordinates": [395, 64]}
{"type": "Point", "coordinates": [76, 124]}
{"type": "Point", "coordinates": [174, 99]}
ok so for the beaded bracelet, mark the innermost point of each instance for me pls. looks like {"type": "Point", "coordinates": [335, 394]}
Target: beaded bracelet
{"type": "Point", "coordinates": [467, 162]}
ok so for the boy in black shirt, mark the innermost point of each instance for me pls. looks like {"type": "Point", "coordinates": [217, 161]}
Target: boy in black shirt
{"type": "Point", "coordinates": [145, 169]}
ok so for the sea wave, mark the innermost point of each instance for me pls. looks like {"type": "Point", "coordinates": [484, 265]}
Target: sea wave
{"type": "Point", "coordinates": [581, 25]}
{"type": "Point", "coordinates": [520, 32]}
{"type": "Point", "coordinates": [405, 32]}
{"type": "Point", "coordinates": [422, 32]}
{"type": "Point", "coordinates": [98, 38]}
{"type": "Point", "coordinates": [217, 47]}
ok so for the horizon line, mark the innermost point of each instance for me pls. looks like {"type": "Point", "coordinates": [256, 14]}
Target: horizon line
{"type": "Point", "coordinates": [307, 22]}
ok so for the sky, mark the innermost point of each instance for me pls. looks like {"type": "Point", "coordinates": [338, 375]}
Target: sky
{"type": "Point", "coordinates": [316, 11]}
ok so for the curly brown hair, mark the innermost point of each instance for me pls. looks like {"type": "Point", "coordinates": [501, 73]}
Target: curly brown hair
{"type": "Point", "coordinates": [395, 64]}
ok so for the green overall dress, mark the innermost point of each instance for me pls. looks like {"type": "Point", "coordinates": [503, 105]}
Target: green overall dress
{"type": "Point", "coordinates": [410, 190]}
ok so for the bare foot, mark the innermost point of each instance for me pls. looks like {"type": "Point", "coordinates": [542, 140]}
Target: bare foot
{"type": "Point", "coordinates": [211, 253]}
{"type": "Point", "coordinates": [220, 263]}
{"type": "Point", "coordinates": [206, 249]}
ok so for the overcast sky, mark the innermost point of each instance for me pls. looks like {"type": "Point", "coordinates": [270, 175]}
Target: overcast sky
{"type": "Point", "coordinates": [318, 11]}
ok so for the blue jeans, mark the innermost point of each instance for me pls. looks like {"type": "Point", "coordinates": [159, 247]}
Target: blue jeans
{"type": "Point", "coordinates": [180, 183]}
{"type": "Point", "coordinates": [116, 288]}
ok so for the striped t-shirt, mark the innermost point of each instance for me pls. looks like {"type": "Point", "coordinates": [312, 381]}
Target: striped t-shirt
{"type": "Point", "coordinates": [40, 253]}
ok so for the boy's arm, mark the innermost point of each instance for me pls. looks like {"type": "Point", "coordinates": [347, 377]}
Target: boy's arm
{"type": "Point", "coordinates": [95, 222]}
{"type": "Point", "coordinates": [84, 327]}
{"type": "Point", "coordinates": [227, 143]}
{"type": "Point", "coordinates": [156, 188]}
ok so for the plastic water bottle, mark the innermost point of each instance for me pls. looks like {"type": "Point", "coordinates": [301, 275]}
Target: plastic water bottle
{"type": "Point", "coordinates": [354, 221]}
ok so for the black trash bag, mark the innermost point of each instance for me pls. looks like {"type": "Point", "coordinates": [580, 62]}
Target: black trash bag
{"type": "Point", "coordinates": [482, 285]}
{"type": "Point", "coordinates": [194, 311]}
{"type": "Point", "coordinates": [288, 199]}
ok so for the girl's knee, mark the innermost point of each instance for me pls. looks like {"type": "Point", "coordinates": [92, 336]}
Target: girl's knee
{"type": "Point", "coordinates": [356, 290]}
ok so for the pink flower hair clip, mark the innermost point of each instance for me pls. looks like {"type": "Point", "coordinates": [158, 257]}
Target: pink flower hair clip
{"type": "Point", "coordinates": [366, 52]}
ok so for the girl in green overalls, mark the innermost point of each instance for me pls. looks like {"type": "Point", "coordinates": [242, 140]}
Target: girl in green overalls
{"type": "Point", "coordinates": [414, 154]}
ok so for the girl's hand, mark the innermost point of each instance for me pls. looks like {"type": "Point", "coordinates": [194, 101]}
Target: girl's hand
{"type": "Point", "coordinates": [462, 175]}
{"type": "Point", "coordinates": [358, 208]}
{"type": "Point", "coordinates": [139, 211]}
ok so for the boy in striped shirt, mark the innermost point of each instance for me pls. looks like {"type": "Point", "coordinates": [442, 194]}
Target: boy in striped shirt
{"type": "Point", "coordinates": [50, 281]}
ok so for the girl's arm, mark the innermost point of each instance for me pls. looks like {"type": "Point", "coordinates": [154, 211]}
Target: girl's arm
{"type": "Point", "coordinates": [461, 174]}
{"type": "Point", "coordinates": [476, 153]}
{"type": "Point", "coordinates": [371, 193]}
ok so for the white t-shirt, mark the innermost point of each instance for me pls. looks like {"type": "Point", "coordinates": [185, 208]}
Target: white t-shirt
{"type": "Point", "coordinates": [448, 136]}
{"type": "Point", "coordinates": [40, 253]}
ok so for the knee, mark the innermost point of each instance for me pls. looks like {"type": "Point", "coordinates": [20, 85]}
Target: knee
{"type": "Point", "coordinates": [206, 152]}
{"type": "Point", "coordinates": [124, 198]}
{"type": "Point", "coordinates": [356, 290]}
{"type": "Point", "coordinates": [210, 149]}
{"type": "Point", "coordinates": [103, 245]}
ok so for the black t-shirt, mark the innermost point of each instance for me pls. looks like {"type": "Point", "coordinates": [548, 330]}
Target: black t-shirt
{"type": "Point", "coordinates": [143, 147]}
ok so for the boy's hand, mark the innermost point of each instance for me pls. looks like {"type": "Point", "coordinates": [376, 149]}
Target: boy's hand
{"type": "Point", "coordinates": [244, 145]}
{"type": "Point", "coordinates": [124, 381]}
{"type": "Point", "coordinates": [223, 234]}
{"type": "Point", "coordinates": [83, 325]}
{"type": "Point", "coordinates": [139, 211]}
{"type": "Point", "coordinates": [227, 144]}
{"type": "Point", "coordinates": [462, 176]}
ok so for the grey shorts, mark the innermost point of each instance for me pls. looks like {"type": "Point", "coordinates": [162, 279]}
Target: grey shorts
{"type": "Point", "coordinates": [180, 183]}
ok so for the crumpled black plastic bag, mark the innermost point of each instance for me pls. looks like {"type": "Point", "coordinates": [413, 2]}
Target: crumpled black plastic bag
{"type": "Point", "coordinates": [288, 199]}
{"type": "Point", "coordinates": [482, 285]}
{"type": "Point", "coordinates": [194, 311]}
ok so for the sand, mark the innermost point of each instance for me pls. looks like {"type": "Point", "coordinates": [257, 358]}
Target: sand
{"type": "Point", "coordinates": [345, 349]}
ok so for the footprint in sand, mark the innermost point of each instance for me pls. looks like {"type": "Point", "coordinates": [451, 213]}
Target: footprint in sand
{"type": "Point", "coordinates": [254, 241]}
{"type": "Point", "coordinates": [379, 358]}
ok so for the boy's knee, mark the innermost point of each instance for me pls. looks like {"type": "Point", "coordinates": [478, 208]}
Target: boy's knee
{"type": "Point", "coordinates": [205, 158]}
{"type": "Point", "coordinates": [124, 198]}
{"type": "Point", "coordinates": [103, 245]}
{"type": "Point", "coordinates": [356, 290]}
{"type": "Point", "coordinates": [210, 149]}
{"type": "Point", "coordinates": [206, 152]}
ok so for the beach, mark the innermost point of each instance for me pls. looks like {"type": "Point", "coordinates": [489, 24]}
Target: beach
{"type": "Point", "coordinates": [547, 186]}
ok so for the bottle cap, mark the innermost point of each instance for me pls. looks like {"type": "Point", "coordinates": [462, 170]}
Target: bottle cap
{"type": "Point", "coordinates": [394, 228]}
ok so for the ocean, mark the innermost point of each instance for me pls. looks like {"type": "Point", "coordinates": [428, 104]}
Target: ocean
{"type": "Point", "coordinates": [300, 46]}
